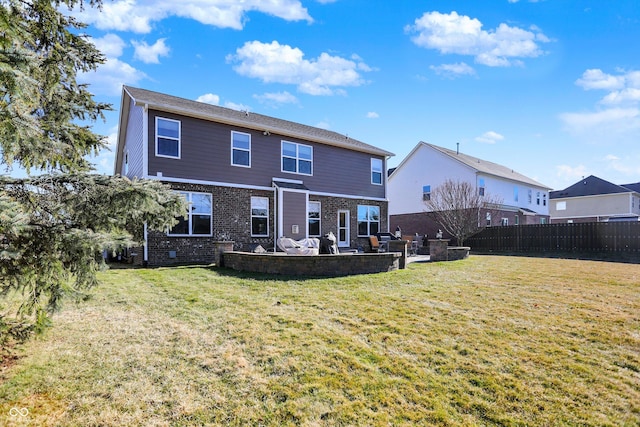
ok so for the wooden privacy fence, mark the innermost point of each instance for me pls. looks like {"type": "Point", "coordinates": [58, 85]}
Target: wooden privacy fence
{"type": "Point", "coordinates": [576, 237]}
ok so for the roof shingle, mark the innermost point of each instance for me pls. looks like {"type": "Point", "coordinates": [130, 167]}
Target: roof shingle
{"type": "Point", "coordinates": [249, 120]}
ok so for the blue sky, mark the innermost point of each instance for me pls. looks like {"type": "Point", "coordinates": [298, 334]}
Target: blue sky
{"type": "Point", "coordinates": [550, 88]}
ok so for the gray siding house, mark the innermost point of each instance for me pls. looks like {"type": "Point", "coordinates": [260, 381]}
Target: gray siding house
{"type": "Point", "coordinates": [594, 199]}
{"type": "Point", "coordinates": [248, 178]}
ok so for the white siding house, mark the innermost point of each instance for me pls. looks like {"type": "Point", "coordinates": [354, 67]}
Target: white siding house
{"type": "Point", "coordinates": [524, 200]}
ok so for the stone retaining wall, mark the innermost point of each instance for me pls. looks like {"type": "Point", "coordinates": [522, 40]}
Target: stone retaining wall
{"type": "Point", "coordinates": [455, 253]}
{"type": "Point", "coordinates": [312, 265]}
{"type": "Point", "coordinates": [440, 251]}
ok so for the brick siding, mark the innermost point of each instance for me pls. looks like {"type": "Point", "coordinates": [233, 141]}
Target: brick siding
{"type": "Point", "coordinates": [232, 222]}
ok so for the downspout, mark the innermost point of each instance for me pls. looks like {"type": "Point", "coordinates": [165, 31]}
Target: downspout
{"type": "Point", "coordinates": [145, 248]}
{"type": "Point", "coordinates": [275, 218]}
{"type": "Point", "coordinates": [145, 172]}
{"type": "Point", "coordinates": [384, 177]}
{"type": "Point", "coordinates": [145, 141]}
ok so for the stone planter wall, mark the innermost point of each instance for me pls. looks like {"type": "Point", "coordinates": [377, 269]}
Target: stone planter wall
{"type": "Point", "coordinates": [440, 251]}
{"type": "Point", "coordinates": [312, 265]}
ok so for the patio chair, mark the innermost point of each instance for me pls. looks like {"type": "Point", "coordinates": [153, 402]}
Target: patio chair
{"type": "Point", "coordinates": [412, 245]}
{"type": "Point", "coordinates": [375, 244]}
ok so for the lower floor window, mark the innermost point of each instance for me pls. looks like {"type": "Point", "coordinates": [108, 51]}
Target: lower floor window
{"type": "Point", "coordinates": [314, 218]}
{"type": "Point", "coordinates": [259, 216]}
{"type": "Point", "coordinates": [368, 220]}
{"type": "Point", "coordinates": [197, 220]}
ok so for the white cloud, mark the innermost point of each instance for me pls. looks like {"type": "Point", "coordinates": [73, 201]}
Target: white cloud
{"type": "Point", "coordinates": [596, 79]}
{"type": "Point", "coordinates": [459, 34]}
{"type": "Point", "coordinates": [110, 77]}
{"type": "Point", "coordinates": [605, 125]}
{"type": "Point", "coordinates": [276, 63]}
{"type": "Point", "coordinates": [628, 95]}
{"type": "Point", "coordinates": [372, 115]}
{"type": "Point", "coordinates": [139, 15]}
{"type": "Point", "coordinates": [236, 106]}
{"type": "Point", "coordinates": [103, 162]}
{"type": "Point", "coordinates": [150, 54]}
{"type": "Point", "coordinates": [571, 172]}
{"type": "Point", "coordinates": [277, 98]}
{"type": "Point", "coordinates": [624, 167]}
{"type": "Point", "coordinates": [453, 70]}
{"type": "Point", "coordinates": [209, 98]}
{"type": "Point", "coordinates": [617, 116]}
{"type": "Point", "coordinates": [624, 88]}
{"type": "Point", "coordinates": [490, 137]}
{"type": "Point", "coordinates": [110, 45]}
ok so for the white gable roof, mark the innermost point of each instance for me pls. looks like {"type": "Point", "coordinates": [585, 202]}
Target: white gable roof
{"type": "Point", "coordinates": [478, 165]}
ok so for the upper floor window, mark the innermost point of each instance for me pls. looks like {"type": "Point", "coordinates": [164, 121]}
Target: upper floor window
{"type": "Point", "coordinates": [544, 200]}
{"type": "Point", "coordinates": [314, 219]}
{"type": "Point", "coordinates": [376, 171]}
{"type": "Point", "coordinates": [426, 193]}
{"type": "Point", "coordinates": [368, 220]}
{"type": "Point", "coordinates": [529, 196]}
{"type": "Point", "coordinates": [126, 163]}
{"type": "Point", "coordinates": [481, 187]}
{"type": "Point", "coordinates": [297, 158]}
{"type": "Point", "coordinates": [538, 198]}
{"type": "Point", "coordinates": [515, 194]}
{"type": "Point", "coordinates": [240, 149]}
{"type": "Point", "coordinates": [504, 222]}
{"type": "Point", "coordinates": [488, 219]}
{"type": "Point", "coordinates": [197, 220]}
{"type": "Point", "coordinates": [167, 138]}
{"type": "Point", "coordinates": [259, 217]}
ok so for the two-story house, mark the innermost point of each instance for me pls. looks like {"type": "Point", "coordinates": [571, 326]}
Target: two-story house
{"type": "Point", "coordinates": [594, 199]}
{"type": "Point", "coordinates": [524, 200]}
{"type": "Point", "coordinates": [247, 177]}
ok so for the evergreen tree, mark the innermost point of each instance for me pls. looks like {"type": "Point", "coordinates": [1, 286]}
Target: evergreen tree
{"type": "Point", "coordinates": [54, 227]}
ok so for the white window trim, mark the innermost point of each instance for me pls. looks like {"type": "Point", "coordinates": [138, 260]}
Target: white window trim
{"type": "Point", "coordinates": [373, 170]}
{"type": "Point", "coordinates": [251, 216]}
{"type": "Point", "coordinates": [178, 139]}
{"type": "Point", "coordinates": [191, 193]}
{"type": "Point", "coordinates": [240, 149]}
{"type": "Point", "coordinates": [297, 158]}
{"type": "Point", "coordinates": [368, 221]}
{"type": "Point", "coordinates": [319, 218]}
{"type": "Point", "coordinates": [426, 195]}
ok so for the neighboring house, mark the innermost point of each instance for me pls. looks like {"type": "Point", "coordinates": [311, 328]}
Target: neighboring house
{"type": "Point", "coordinates": [593, 199]}
{"type": "Point", "coordinates": [248, 178]}
{"type": "Point", "coordinates": [524, 200]}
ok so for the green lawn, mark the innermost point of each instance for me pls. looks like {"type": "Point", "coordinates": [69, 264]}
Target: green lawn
{"type": "Point", "coordinates": [484, 341]}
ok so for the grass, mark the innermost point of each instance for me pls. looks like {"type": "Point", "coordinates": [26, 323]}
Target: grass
{"type": "Point", "coordinates": [484, 341]}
